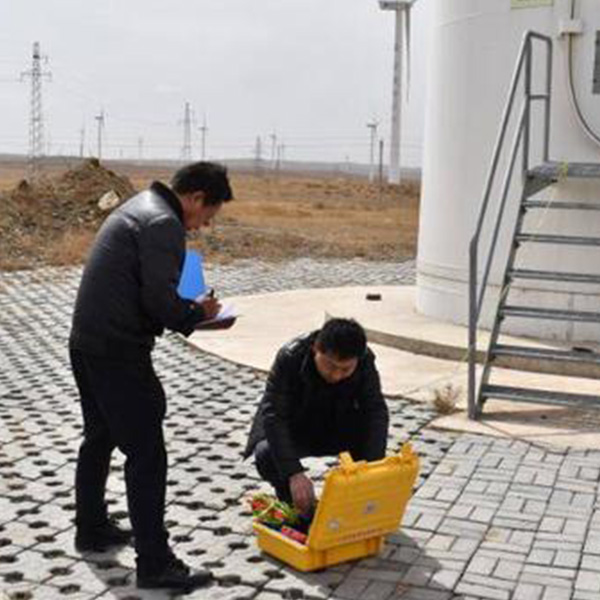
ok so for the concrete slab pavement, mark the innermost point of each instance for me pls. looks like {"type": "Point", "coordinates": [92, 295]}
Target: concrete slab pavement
{"type": "Point", "coordinates": [491, 517]}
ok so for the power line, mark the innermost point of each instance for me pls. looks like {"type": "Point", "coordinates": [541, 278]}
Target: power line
{"type": "Point", "coordinates": [273, 137]}
{"type": "Point", "coordinates": [203, 131]}
{"type": "Point", "coordinates": [36, 115]}
{"type": "Point", "coordinates": [82, 142]}
{"type": "Point", "coordinates": [280, 154]}
{"type": "Point", "coordinates": [186, 149]}
{"type": "Point", "coordinates": [100, 121]}
{"type": "Point", "coordinates": [258, 155]}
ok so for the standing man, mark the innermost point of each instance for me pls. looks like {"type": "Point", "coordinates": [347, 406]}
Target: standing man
{"type": "Point", "coordinates": [127, 297]}
{"type": "Point", "coordinates": [322, 397]}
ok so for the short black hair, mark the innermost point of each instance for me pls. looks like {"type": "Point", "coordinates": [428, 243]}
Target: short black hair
{"type": "Point", "coordinates": [344, 338]}
{"type": "Point", "coordinates": [210, 178]}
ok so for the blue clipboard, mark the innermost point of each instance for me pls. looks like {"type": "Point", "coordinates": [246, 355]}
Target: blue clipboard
{"type": "Point", "coordinates": [191, 283]}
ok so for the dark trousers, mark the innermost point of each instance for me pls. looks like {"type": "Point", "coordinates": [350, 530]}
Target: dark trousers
{"type": "Point", "coordinates": [267, 467]}
{"type": "Point", "coordinates": [123, 406]}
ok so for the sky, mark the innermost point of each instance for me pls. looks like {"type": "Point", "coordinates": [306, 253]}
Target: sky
{"type": "Point", "coordinates": [310, 72]}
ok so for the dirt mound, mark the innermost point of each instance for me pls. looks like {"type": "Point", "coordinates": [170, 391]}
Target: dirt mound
{"type": "Point", "coordinates": [88, 182]}
{"type": "Point", "coordinates": [73, 196]}
{"type": "Point", "coordinates": [55, 207]}
{"type": "Point", "coordinates": [69, 199]}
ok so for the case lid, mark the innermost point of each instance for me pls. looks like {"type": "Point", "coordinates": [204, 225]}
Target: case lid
{"type": "Point", "coordinates": [362, 500]}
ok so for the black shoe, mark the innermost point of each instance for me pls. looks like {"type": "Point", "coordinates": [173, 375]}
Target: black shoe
{"type": "Point", "coordinates": [174, 574]}
{"type": "Point", "coordinates": [101, 538]}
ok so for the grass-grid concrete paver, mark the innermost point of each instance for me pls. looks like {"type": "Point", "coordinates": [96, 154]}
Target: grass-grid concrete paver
{"type": "Point", "coordinates": [491, 518]}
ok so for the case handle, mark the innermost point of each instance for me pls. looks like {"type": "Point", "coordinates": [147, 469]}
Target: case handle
{"type": "Point", "coordinates": [348, 465]}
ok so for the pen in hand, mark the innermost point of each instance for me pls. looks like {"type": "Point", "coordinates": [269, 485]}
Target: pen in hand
{"type": "Point", "coordinates": [207, 295]}
{"type": "Point", "coordinates": [210, 304]}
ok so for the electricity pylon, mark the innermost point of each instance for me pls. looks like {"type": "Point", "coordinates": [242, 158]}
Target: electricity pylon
{"type": "Point", "coordinates": [36, 115]}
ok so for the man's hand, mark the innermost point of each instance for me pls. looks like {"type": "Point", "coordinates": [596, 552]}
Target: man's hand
{"type": "Point", "coordinates": [221, 324]}
{"type": "Point", "coordinates": [303, 492]}
{"type": "Point", "coordinates": [210, 305]}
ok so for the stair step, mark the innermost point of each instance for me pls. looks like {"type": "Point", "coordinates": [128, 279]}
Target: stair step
{"type": "Point", "coordinates": [561, 205]}
{"type": "Point", "coordinates": [558, 170]}
{"type": "Point", "coordinates": [574, 355]}
{"type": "Point", "coordinates": [571, 240]}
{"type": "Point", "coordinates": [551, 314]}
{"type": "Point", "coordinates": [503, 392]}
{"type": "Point", "coordinates": [553, 276]}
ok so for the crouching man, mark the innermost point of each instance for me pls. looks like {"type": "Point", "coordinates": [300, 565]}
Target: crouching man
{"type": "Point", "coordinates": [322, 397]}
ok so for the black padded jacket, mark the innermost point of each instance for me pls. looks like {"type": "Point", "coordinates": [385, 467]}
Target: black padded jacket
{"type": "Point", "coordinates": [302, 415]}
{"type": "Point", "coordinates": [128, 291]}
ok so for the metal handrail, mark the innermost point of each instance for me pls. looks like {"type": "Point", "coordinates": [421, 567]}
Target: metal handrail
{"type": "Point", "coordinates": [522, 136]}
{"type": "Point", "coordinates": [518, 138]}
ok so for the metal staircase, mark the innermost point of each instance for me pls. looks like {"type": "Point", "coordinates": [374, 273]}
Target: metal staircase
{"type": "Point", "coordinates": [579, 362]}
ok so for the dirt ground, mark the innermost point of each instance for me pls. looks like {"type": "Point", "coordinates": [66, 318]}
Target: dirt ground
{"type": "Point", "coordinates": [273, 217]}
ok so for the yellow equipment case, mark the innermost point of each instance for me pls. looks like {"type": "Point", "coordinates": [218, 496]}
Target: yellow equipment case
{"type": "Point", "coordinates": [361, 503]}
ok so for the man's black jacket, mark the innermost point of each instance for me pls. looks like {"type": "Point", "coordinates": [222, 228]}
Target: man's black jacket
{"type": "Point", "coordinates": [128, 292]}
{"type": "Point", "coordinates": [302, 415]}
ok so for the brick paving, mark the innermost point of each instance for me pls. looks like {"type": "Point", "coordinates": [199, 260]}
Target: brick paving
{"type": "Point", "coordinates": [491, 518]}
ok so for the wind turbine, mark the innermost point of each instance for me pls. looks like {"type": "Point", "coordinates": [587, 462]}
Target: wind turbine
{"type": "Point", "coordinates": [402, 37]}
{"type": "Point", "coordinates": [372, 126]}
